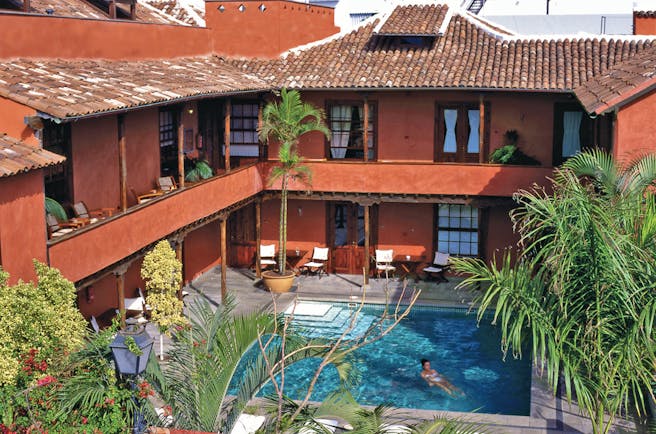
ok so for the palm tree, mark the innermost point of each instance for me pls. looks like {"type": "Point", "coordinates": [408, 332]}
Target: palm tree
{"type": "Point", "coordinates": [285, 122]}
{"type": "Point", "coordinates": [581, 287]}
{"type": "Point", "coordinates": [204, 359]}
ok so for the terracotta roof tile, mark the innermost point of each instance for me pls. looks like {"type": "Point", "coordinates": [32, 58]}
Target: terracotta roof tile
{"type": "Point", "coordinates": [619, 83]}
{"type": "Point", "coordinates": [470, 54]}
{"type": "Point", "coordinates": [64, 88]}
{"type": "Point", "coordinates": [416, 20]}
{"type": "Point", "coordinates": [645, 14]}
{"type": "Point", "coordinates": [17, 157]}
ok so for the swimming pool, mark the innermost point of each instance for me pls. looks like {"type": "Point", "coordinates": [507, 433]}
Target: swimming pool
{"type": "Point", "coordinates": [467, 354]}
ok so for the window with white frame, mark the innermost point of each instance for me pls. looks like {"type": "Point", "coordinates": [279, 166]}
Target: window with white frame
{"type": "Point", "coordinates": [458, 230]}
{"type": "Point", "coordinates": [244, 141]}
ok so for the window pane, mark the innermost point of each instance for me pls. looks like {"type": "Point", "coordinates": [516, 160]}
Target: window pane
{"type": "Point", "coordinates": [443, 222]}
{"type": "Point", "coordinates": [474, 237]}
{"type": "Point", "coordinates": [450, 125]}
{"type": "Point", "coordinates": [237, 123]}
{"type": "Point", "coordinates": [464, 249]}
{"type": "Point", "coordinates": [237, 110]}
{"type": "Point", "coordinates": [465, 237]}
{"type": "Point", "coordinates": [455, 210]}
{"type": "Point", "coordinates": [443, 210]}
{"type": "Point", "coordinates": [466, 222]}
{"type": "Point", "coordinates": [454, 222]}
{"type": "Point", "coordinates": [474, 122]}
{"type": "Point", "coordinates": [454, 248]}
{"type": "Point", "coordinates": [443, 236]}
{"type": "Point", "coordinates": [571, 133]}
{"type": "Point", "coordinates": [473, 249]}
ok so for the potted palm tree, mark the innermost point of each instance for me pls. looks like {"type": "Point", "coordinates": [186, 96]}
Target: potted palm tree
{"type": "Point", "coordinates": [284, 122]}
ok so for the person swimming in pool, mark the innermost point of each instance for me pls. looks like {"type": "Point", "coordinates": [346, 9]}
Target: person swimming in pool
{"type": "Point", "coordinates": [434, 378]}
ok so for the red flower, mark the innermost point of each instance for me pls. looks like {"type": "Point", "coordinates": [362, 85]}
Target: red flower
{"type": "Point", "coordinates": [48, 379]}
{"type": "Point", "coordinates": [84, 420]}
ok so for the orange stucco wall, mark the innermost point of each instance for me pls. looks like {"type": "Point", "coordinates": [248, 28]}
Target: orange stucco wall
{"type": "Point", "coordinates": [142, 150]}
{"type": "Point", "coordinates": [500, 234]}
{"type": "Point", "coordinates": [306, 224]}
{"type": "Point", "coordinates": [22, 224]}
{"type": "Point", "coordinates": [201, 250]}
{"type": "Point", "coordinates": [282, 25]}
{"type": "Point", "coordinates": [56, 37]}
{"type": "Point", "coordinates": [406, 228]}
{"type": "Point", "coordinates": [644, 25]}
{"type": "Point", "coordinates": [95, 162]}
{"type": "Point", "coordinates": [635, 134]}
{"type": "Point", "coordinates": [13, 120]}
{"type": "Point", "coordinates": [405, 122]}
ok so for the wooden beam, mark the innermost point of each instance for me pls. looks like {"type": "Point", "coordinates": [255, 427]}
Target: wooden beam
{"type": "Point", "coordinates": [365, 128]}
{"type": "Point", "coordinates": [367, 237]}
{"type": "Point", "coordinates": [482, 152]}
{"type": "Point", "coordinates": [224, 258]}
{"type": "Point", "coordinates": [178, 255]}
{"type": "Point", "coordinates": [120, 291]}
{"type": "Point", "coordinates": [258, 237]}
{"type": "Point", "coordinates": [26, 5]}
{"type": "Point", "coordinates": [226, 134]}
{"type": "Point", "coordinates": [122, 163]}
{"type": "Point", "coordinates": [181, 174]}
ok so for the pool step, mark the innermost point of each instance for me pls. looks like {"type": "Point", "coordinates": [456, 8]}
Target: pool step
{"type": "Point", "coordinates": [333, 323]}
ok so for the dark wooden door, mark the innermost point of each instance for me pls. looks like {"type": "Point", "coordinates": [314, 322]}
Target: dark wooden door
{"type": "Point", "coordinates": [211, 124]}
{"type": "Point", "coordinates": [346, 235]}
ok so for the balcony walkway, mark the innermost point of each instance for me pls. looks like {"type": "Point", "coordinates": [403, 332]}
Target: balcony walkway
{"type": "Point", "coordinates": [548, 414]}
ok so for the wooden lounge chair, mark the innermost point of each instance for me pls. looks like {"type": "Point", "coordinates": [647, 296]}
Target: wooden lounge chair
{"type": "Point", "coordinates": [267, 255]}
{"type": "Point", "coordinates": [384, 260]}
{"type": "Point", "coordinates": [318, 263]}
{"type": "Point", "coordinates": [145, 197]}
{"type": "Point", "coordinates": [81, 211]}
{"type": "Point", "coordinates": [166, 184]}
{"type": "Point", "coordinates": [57, 228]}
{"type": "Point", "coordinates": [439, 266]}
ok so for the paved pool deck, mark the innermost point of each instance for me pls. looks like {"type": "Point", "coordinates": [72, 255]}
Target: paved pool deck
{"type": "Point", "coordinates": [548, 414]}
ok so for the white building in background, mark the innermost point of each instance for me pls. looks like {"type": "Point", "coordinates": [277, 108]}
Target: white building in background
{"type": "Point", "coordinates": [565, 16]}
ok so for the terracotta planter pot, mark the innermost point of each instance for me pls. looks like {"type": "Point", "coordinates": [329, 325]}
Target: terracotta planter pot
{"type": "Point", "coordinates": [277, 283]}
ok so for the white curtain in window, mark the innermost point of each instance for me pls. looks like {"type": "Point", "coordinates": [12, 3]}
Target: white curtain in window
{"type": "Point", "coordinates": [474, 123]}
{"type": "Point", "coordinates": [450, 120]}
{"type": "Point", "coordinates": [571, 137]}
{"type": "Point", "coordinates": [340, 125]}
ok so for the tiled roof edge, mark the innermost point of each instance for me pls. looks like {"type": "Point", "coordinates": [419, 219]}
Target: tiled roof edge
{"type": "Point", "coordinates": [330, 38]}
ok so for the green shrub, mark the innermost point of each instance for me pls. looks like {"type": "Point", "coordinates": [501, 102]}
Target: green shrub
{"type": "Point", "coordinates": [42, 317]}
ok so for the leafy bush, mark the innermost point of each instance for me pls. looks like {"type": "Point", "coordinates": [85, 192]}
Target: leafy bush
{"type": "Point", "coordinates": [163, 275]}
{"type": "Point", "coordinates": [41, 317]}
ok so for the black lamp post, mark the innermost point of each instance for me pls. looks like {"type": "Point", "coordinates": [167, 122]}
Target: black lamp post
{"type": "Point", "coordinates": [131, 350]}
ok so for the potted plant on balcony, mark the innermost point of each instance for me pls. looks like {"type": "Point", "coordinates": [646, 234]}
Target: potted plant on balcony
{"type": "Point", "coordinates": [284, 122]}
{"type": "Point", "coordinates": [510, 153]}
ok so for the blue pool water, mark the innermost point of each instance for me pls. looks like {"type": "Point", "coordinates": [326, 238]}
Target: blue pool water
{"type": "Point", "coordinates": [467, 354]}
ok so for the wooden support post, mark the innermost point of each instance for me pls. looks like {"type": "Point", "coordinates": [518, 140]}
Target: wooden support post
{"type": "Point", "coordinates": [224, 258]}
{"type": "Point", "coordinates": [258, 237]}
{"type": "Point", "coordinates": [120, 291]}
{"type": "Point", "coordinates": [181, 174]}
{"type": "Point", "coordinates": [26, 5]}
{"type": "Point", "coordinates": [112, 9]}
{"type": "Point", "coordinates": [367, 236]}
{"type": "Point", "coordinates": [365, 128]}
{"type": "Point", "coordinates": [482, 152]}
{"type": "Point", "coordinates": [122, 164]}
{"type": "Point", "coordinates": [178, 255]}
{"type": "Point", "coordinates": [133, 10]}
{"type": "Point", "coordinates": [226, 134]}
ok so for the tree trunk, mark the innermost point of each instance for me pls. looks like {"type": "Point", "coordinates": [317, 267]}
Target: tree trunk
{"type": "Point", "coordinates": [282, 234]}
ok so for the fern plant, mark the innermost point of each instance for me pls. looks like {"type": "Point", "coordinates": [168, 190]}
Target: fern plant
{"type": "Point", "coordinates": [202, 170]}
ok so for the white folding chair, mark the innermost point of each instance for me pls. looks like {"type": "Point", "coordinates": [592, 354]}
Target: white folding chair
{"type": "Point", "coordinates": [317, 264]}
{"type": "Point", "coordinates": [384, 260]}
{"type": "Point", "coordinates": [267, 255]}
{"type": "Point", "coordinates": [439, 266]}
